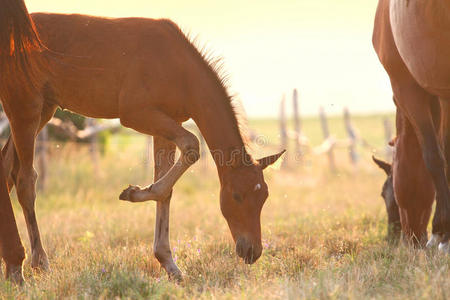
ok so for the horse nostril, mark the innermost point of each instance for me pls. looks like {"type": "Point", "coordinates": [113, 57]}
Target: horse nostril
{"type": "Point", "coordinates": [247, 251]}
{"type": "Point", "coordinates": [252, 255]}
{"type": "Point", "coordinates": [241, 247]}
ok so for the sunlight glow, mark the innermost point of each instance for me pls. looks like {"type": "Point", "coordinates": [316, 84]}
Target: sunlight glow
{"type": "Point", "coordinates": [323, 48]}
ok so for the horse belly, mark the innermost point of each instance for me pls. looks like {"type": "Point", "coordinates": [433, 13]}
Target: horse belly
{"type": "Point", "coordinates": [87, 91]}
{"type": "Point", "coordinates": [421, 32]}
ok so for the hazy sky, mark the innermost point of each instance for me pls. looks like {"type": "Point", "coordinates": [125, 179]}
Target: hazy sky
{"type": "Point", "coordinates": [323, 48]}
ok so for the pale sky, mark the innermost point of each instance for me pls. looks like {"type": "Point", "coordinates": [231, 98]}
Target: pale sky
{"type": "Point", "coordinates": [321, 47]}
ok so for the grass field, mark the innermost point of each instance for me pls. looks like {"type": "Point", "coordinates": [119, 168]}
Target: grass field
{"type": "Point", "coordinates": [323, 233]}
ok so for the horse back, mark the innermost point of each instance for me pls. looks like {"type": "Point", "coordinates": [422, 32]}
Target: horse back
{"type": "Point", "coordinates": [93, 58]}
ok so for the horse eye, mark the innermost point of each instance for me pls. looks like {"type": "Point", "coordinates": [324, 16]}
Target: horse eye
{"type": "Point", "coordinates": [237, 197]}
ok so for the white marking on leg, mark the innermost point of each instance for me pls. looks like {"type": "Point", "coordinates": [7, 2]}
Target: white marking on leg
{"type": "Point", "coordinates": [434, 240]}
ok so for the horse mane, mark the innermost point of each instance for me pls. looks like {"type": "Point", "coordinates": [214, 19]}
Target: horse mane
{"type": "Point", "coordinates": [214, 64]}
{"type": "Point", "coordinates": [19, 42]}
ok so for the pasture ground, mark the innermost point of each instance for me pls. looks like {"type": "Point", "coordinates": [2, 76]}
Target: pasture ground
{"type": "Point", "coordinates": [323, 233]}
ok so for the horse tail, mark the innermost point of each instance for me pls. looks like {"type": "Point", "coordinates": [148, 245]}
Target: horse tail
{"type": "Point", "coordinates": [19, 47]}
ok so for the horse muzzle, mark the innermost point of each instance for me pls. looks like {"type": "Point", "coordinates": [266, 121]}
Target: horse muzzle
{"type": "Point", "coordinates": [247, 251]}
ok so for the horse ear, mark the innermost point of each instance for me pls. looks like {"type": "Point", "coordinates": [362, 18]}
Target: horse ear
{"type": "Point", "coordinates": [387, 167]}
{"type": "Point", "coordinates": [268, 160]}
{"type": "Point", "coordinates": [392, 142]}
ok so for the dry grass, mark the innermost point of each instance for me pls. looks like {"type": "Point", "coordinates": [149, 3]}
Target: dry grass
{"type": "Point", "coordinates": [323, 234]}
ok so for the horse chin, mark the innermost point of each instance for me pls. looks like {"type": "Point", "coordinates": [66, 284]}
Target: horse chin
{"type": "Point", "coordinates": [246, 251]}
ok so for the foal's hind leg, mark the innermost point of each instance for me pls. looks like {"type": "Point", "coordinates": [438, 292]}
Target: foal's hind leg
{"type": "Point", "coordinates": [11, 249]}
{"type": "Point", "coordinates": [164, 155]}
{"type": "Point", "coordinates": [24, 133]}
{"type": "Point", "coordinates": [10, 160]}
{"type": "Point", "coordinates": [156, 123]}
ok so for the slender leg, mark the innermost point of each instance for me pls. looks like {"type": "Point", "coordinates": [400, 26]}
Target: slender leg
{"type": "Point", "coordinates": [24, 130]}
{"type": "Point", "coordinates": [11, 249]}
{"type": "Point", "coordinates": [164, 154]}
{"type": "Point", "coordinates": [156, 123]}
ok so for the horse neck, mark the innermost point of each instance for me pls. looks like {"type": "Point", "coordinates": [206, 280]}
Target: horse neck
{"type": "Point", "coordinates": [216, 120]}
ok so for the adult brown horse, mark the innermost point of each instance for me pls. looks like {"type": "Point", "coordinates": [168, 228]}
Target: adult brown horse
{"type": "Point", "coordinates": [412, 41]}
{"type": "Point", "coordinates": [148, 74]}
{"type": "Point", "coordinates": [19, 70]}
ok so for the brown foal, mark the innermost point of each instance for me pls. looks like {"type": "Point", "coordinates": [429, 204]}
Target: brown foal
{"type": "Point", "coordinates": [149, 75]}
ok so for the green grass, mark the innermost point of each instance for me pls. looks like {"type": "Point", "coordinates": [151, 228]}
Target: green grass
{"type": "Point", "coordinates": [323, 233]}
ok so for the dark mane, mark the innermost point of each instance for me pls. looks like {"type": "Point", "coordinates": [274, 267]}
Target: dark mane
{"type": "Point", "coordinates": [18, 41]}
{"type": "Point", "coordinates": [215, 66]}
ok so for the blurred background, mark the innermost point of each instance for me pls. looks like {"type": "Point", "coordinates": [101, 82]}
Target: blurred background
{"type": "Point", "coordinates": [269, 47]}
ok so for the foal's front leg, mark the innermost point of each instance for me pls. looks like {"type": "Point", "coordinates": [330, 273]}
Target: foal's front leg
{"type": "Point", "coordinates": [157, 123]}
{"type": "Point", "coordinates": [164, 153]}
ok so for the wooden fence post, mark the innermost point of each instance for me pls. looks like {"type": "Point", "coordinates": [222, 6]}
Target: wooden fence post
{"type": "Point", "coordinates": [352, 136]}
{"type": "Point", "coordinates": [283, 129]}
{"type": "Point", "coordinates": [297, 123]}
{"type": "Point", "coordinates": [93, 146]}
{"type": "Point", "coordinates": [388, 137]}
{"type": "Point", "coordinates": [203, 152]}
{"type": "Point", "coordinates": [41, 155]}
{"type": "Point", "coordinates": [326, 136]}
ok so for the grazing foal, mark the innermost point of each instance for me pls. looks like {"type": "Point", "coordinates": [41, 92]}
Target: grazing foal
{"type": "Point", "coordinates": [149, 75]}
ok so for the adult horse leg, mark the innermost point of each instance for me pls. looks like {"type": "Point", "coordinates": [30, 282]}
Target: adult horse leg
{"type": "Point", "coordinates": [417, 105]}
{"type": "Point", "coordinates": [11, 249]}
{"type": "Point", "coordinates": [24, 131]}
{"type": "Point", "coordinates": [157, 123]}
{"type": "Point", "coordinates": [413, 187]}
{"type": "Point", "coordinates": [164, 155]}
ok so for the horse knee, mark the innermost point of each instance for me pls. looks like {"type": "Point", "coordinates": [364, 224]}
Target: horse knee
{"type": "Point", "coordinates": [190, 148]}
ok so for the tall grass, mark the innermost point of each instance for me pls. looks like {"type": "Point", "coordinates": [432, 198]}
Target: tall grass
{"type": "Point", "coordinates": [323, 233]}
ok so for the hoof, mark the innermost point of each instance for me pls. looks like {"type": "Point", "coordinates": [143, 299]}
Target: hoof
{"type": "Point", "coordinates": [39, 261]}
{"type": "Point", "coordinates": [434, 240]}
{"type": "Point", "coordinates": [174, 273]}
{"type": "Point", "coordinates": [127, 194]}
{"type": "Point", "coordinates": [176, 276]}
{"type": "Point", "coordinates": [138, 194]}
{"type": "Point", "coordinates": [444, 247]}
{"type": "Point", "coordinates": [14, 274]}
